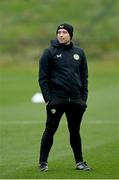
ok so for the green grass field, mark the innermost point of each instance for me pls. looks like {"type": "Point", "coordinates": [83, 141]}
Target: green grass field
{"type": "Point", "coordinates": [26, 28]}
{"type": "Point", "coordinates": [22, 124]}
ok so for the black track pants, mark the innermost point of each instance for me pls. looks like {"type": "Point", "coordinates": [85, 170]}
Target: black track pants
{"type": "Point", "coordinates": [74, 113]}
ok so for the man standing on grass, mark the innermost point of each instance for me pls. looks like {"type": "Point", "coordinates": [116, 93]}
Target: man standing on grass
{"type": "Point", "coordinates": [63, 79]}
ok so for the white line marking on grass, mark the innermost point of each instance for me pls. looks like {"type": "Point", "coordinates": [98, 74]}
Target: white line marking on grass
{"type": "Point", "coordinates": [20, 122]}
{"type": "Point", "coordinates": [32, 122]}
{"type": "Point", "coordinates": [102, 122]}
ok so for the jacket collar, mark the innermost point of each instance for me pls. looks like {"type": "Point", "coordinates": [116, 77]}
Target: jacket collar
{"type": "Point", "coordinates": [55, 43]}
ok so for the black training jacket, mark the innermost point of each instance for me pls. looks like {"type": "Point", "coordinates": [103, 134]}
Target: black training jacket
{"type": "Point", "coordinates": [63, 72]}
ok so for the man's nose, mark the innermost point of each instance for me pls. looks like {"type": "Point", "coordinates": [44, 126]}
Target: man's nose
{"type": "Point", "coordinates": [61, 34]}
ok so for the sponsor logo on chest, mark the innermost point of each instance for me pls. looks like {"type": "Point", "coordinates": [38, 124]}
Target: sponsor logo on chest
{"type": "Point", "coordinates": [59, 55]}
{"type": "Point", "coordinates": [75, 56]}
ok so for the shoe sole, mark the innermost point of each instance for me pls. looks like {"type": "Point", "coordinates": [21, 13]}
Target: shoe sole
{"type": "Point", "coordinates": [44, 169]}
{"type": "Point", "coordinates": [85, 169]}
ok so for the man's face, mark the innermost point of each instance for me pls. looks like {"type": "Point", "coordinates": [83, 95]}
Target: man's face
{"type": "Point", "coordinates": [63, 36]}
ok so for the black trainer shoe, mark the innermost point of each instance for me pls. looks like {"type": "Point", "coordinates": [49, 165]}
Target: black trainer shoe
{"type": "Point", "coordinates": [43, 167]}
{"type": "Point", "coordinates": [82, 166]}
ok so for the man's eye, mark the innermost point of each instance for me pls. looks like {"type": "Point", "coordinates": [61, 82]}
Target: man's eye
{"type": "Point", "coordinates": [63, 32]}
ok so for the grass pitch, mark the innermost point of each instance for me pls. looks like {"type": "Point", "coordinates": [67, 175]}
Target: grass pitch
{"type": "Point", "coordinates": [22, 124]}
{"type": "Point", "coordinates": [27, 27]}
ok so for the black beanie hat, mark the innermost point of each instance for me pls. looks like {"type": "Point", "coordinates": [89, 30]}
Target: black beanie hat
{"type": "Point", "coordinates": [67, 27]}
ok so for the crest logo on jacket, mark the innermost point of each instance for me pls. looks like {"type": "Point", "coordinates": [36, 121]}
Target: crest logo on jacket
{"type": "Point", "coordinates": [76, 56]}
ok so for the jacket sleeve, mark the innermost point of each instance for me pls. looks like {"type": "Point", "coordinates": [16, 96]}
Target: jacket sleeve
{"type": "Point", "coordinates": [84, 77]}
{"type": "Point", "coordinates": [44, 74]}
